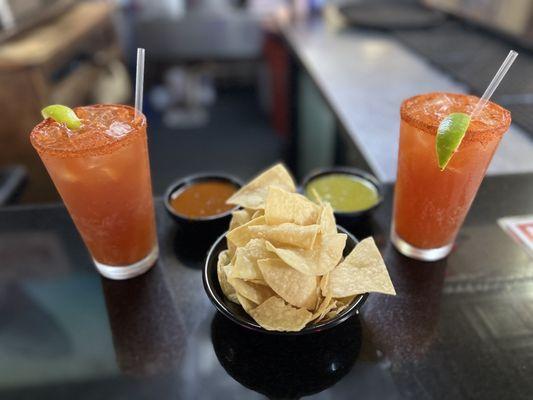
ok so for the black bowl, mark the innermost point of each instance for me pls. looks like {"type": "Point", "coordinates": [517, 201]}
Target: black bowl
{"type": "Point", "coordinates": [237, 314]}
{"type": "Point", "coordinates": [201, 229]}
{"type": "Point", "coordinates": [349, 219]}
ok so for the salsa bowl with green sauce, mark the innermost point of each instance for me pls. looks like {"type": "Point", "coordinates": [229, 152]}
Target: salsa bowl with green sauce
{"type": "Point", "coordinates": [352, 193]}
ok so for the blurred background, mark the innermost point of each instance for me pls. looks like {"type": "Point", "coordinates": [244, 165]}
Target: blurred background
{"type": "Point", "coordinates": [235, 85]}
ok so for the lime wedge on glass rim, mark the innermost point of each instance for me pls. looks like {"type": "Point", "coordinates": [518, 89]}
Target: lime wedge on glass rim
{"type": "Point", "coordinates": [450, 134]}
{"type": "Point", "coordinates": [63, 115]}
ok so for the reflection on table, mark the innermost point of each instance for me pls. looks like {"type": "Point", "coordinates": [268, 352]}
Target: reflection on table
{"type": "Point", "coordinates": [286, 366]}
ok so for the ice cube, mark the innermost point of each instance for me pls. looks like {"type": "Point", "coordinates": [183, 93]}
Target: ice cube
{"type": "Point", "coordinates": [67, 175]}
{"type": "Point", "coordinates": [110, 173]}
{"type": "Point", "coordinates": [118, 129]}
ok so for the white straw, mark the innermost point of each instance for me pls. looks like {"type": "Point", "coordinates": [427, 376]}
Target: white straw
{"type": "Point", "coordinates": [495, 82]}
{"type": "Point", "coordinates": [139, 81]}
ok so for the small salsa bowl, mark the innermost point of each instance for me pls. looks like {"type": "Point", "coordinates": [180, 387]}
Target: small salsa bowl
{"type": "Point", "coordinates": [237, 314]}
{"type": "Point", "coordinates": [348, 218]}
{"type": "Point", "coordinates": [204, 228]}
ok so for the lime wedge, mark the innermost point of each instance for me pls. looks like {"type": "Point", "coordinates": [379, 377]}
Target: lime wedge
{"type": "Point", "coordinates": [62, 114]}
{"type": "Point", "coordinates": [451, 132]}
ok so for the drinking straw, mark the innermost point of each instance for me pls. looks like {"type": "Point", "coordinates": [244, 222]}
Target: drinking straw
{"type": "Point", "coordinates": [139, 81]}
{"type": "Point", "coordinates": [495, 82]}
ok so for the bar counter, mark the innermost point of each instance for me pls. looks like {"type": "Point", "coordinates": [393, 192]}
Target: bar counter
{"type": "Point", "coordinates": [361, 77]}
{"type": "Point", "coordinates": [461, 328]}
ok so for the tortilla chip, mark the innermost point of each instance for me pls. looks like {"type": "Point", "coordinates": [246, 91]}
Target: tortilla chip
{"type": "Point", "coordinates": [258, 213]}
{"type": "Point", "coordinates": [241, 235]}
{"type": "Point", "coordinates": [275, 315]}
{"type": "Point", "coordinates": [319, 260]}
{"type": "Point", "coordinates": [287, 234]}
{"type": "Point", "coordinates": [282, 206]}
{"type": "Point", "coordinates": [291, 285]}
{"type": "Point", "coordinates": [259, 282]}
{"type": "Point", "coordinates": [256, 293]}
{"type": "Point", "coordinates": [246, 304]}
{"type": "Point", "coordinates": [284, 264]}
{"type": "Point", "coordinates": [232, 257]}
{"type": "Point", "coordinates": [362, 271]}
{"type": "Point", "coordinates": [223, 258]}
{"type": "Point", "coordinates": [344, 302]}
{"type": "Point", "coordinates": [328, 304]}
{"type": "Point", "coordinates": [340, 306]}
{"type": "Point", "coordinates": [253, 194]}
{"type": "Point", "coordinates": [222, 273]}
{"type": "Point", "coordinates": [327, 223]}
{"type": "Point", "coordinates": [319, 298]}
{"type": "Point", "coordinates": [231, 249]}
{"type": "Point", "coordinates": [245, 265]}
{"type": "Point", "coordinates": [239, 218]}
{"type": "Point", "coordinates": [330, 315]}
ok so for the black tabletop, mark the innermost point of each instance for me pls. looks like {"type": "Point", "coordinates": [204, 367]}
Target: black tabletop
{"type": "Point", "coordinates": [461, 328]}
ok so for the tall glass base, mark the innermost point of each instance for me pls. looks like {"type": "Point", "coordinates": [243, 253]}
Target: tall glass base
{"type": "Point", "coordinates": [121, 272]}
{"type": "Point", "coordinates": [411, 251]}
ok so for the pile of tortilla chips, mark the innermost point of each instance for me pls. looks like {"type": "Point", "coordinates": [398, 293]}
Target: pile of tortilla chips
{"type": "Point", "coordinates": [284, 263]}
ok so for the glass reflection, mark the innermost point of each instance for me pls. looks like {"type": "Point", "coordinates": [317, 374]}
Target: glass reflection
{"type": "Point", "coordinates": [412, 314]}
{"type": "Point", "coordinates": [148, 336]}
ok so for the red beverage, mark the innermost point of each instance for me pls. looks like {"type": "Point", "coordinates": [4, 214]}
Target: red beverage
{"type": "Point", "coordinates": [102, 173]}
{"type": "Point", "coordinates": [430, 205]}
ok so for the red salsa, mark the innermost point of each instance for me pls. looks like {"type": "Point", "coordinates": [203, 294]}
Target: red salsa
{"type": "Point", "coordinates": [203, 199]}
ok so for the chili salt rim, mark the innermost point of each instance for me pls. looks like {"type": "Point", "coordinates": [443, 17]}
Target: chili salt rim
{"type": "Point", "coordinates": [431, 128]}
{"type": "Point", "coordinates": [138, 123]}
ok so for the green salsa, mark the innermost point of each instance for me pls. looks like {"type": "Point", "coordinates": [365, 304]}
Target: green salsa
{"type": "Point", "coordinates": [345, 192]}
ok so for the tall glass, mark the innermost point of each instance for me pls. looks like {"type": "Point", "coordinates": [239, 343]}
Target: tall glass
{"type": "Point", "coordinates": [102, 173]}
{"type": "Point", "coordinates": [430, 205]}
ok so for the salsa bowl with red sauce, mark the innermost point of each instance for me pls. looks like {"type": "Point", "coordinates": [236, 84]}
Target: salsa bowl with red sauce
{"type": "Point", "coordinates": [197, 203]}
